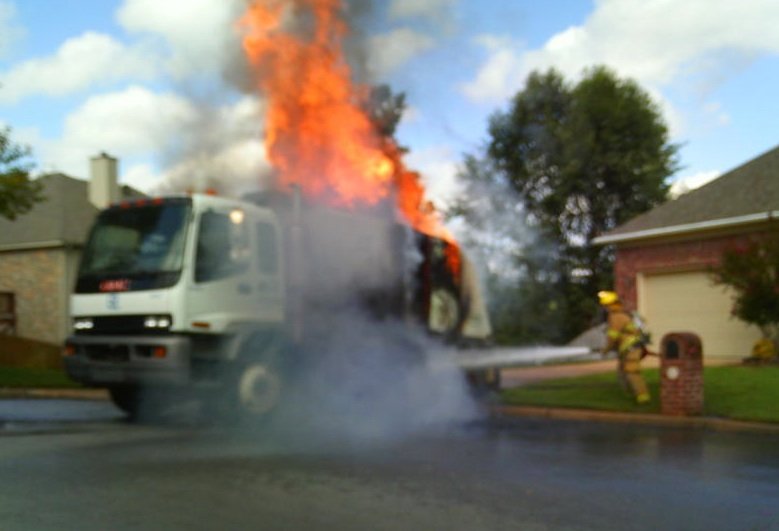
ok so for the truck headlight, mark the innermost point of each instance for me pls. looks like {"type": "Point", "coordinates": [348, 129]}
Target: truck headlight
{"type": "Point", "coordinates": [83, 323]}
{"type": "Point", "coordinates": [157, 322]}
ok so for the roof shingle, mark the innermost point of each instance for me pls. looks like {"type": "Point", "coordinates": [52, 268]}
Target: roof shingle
{"type": "Point", "coordinates": [751, 188]}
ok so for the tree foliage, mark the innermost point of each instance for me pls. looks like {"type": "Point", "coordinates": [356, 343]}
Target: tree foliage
{"type": "Point", "coordinates": [385, 109]}
{"type": "Point", "coordinates": [18, 193]}
{"type": "Point", "coordinates": [752, 271]}
{"type": "Point", "coordinates": [582, 158]}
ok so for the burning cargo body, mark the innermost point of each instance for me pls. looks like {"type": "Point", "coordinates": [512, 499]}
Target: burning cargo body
{"type": "Point", "coordinates": [235, 296]}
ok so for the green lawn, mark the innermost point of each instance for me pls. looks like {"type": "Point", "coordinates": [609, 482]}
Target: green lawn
{"type": "Point", "coordinates": [27, 377]}
{"type": "Point", "coordinates": [744, 393]}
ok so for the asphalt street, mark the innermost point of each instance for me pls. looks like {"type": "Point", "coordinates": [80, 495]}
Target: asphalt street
{"type": "Point", "coordinates": [80, 465]}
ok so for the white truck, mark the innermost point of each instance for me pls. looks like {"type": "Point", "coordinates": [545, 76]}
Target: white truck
{"type": "Point", "coordinates": [230, 295]}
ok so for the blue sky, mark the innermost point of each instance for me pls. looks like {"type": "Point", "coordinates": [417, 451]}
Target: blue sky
{"type": "Point", "coordinates": [155, 82]}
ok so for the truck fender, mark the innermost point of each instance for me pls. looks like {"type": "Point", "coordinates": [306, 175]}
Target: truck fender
{"type": "Point", "coordinates": [253, 342]}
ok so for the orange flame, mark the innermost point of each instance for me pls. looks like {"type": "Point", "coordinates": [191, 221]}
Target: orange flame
{"type": "Point", "coordinates": [317, 133]}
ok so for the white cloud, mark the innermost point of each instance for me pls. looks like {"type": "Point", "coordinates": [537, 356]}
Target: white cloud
{"type": "Point", "coordinates": [201, 35]}
{"type": "Point", "coordinates": [411, 115]}
{"type": "Point", "coordinates": [133, 121]}
{"type": "Point", "coordinates": [435, 10]}
{"type": "Point", "coordinates": [501, 75]}
{"type": "Point", "coordinates": [141, 176]}
{"type": "Point", "coordinates": [656, 42]}
{"type": "Point", "coordinates": [10, 30]}
{"type": "Point", "coordinates": [714, 111]}
{"type": "Point", "coordinates": [80, 63]}
{"type": "Point", "coordinates": [194, 145]}
{"type": "Point", "coordinates": [390, 50]}
{"type": "Point", "coordinates": [175, 140]}
{"type": "Point", "coordinates": [189, 37]}
{"type": "Point", "coordinates": [686, 183]}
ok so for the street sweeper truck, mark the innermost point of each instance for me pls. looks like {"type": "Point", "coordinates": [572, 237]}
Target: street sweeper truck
{"type": "Point", "coordinates": [232, 296]}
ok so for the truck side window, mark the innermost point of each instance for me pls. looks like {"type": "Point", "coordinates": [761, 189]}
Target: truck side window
{"type": "Point", "coordinates": [267, 248]}
{"type": "Point", "coordinates": [222, 248]}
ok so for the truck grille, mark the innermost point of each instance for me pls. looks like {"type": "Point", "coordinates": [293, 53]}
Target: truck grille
{"type": "Point", "coordinates": [114, 353]}
{"type": "Point", "coordinates": [119, 325]}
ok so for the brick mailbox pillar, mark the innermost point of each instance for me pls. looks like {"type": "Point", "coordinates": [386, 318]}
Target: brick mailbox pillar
{"type": "Point", "coordinates": [681, 374]}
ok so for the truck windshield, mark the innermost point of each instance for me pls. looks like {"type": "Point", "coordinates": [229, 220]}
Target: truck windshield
{"type": "Point", "coordinates": [140, 247]}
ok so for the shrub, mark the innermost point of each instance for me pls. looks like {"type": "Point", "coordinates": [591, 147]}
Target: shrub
{"type": "Point", "coordinates": [751, 270]}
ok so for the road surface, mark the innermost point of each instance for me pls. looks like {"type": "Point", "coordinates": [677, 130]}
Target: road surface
{"type": "Point", "coordinates": [79, 465]}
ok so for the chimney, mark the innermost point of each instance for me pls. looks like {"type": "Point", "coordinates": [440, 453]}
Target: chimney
{"type": "Point", "coordinates": [103, 181]}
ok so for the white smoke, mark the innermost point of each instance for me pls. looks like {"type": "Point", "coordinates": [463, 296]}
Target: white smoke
{"type": "Point", "coordinates": [490, 220]}
{"type": "Point", "coordinates": [221, 150]}
{"type": "Point", "coordinates": [373, 384]}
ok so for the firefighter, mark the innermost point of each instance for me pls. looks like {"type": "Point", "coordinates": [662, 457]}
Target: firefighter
{"type": "Point", "coordinates": [623, 336]}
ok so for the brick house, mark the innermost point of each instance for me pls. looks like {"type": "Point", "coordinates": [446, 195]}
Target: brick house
{"type": "Point", "coordinates": [663, 256]}
{"type": "Point", "coordinates": [40, 250]}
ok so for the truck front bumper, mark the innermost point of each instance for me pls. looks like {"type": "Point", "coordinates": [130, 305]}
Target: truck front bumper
{"type": "Point", "coordinates": [118, 360]}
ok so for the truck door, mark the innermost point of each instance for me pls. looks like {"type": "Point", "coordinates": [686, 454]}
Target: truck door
{"type": "Point", "coordinates": [221, 288]}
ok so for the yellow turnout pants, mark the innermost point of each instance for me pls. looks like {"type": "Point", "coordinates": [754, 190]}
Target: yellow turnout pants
{"type": "Point", "coordinates": [629, 374]}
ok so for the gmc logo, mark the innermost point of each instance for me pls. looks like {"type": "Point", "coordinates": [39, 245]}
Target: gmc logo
{"type": "Point", "coordinates": [121, 284]}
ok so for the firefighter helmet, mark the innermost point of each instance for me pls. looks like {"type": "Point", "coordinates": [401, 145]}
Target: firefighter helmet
{"type": "Point", "coordinates": [607, 298]}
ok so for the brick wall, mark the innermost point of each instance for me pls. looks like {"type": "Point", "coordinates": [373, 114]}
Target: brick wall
{"type": "Point", "coordinates": [36, 277]}
{"type": "Point", "coordinates": [672, 256]}
{"type": "Point", "coordinates": [681, 375]}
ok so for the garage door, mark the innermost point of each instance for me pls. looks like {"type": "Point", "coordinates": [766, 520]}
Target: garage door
{"type": "Point", "coordinates": [688, 302]}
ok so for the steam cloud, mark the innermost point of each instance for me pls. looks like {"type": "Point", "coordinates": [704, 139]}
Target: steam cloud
{"type": "Point", "coordinates": [496, 232]}
{"type": "Point", "coordinates": [367, 372]}
{"type": "Point", "coordinates": [372, 384]}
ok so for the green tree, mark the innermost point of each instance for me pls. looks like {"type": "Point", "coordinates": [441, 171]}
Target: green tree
{"type": "Point", "coordinates": [385, 109]}
{"type": "Point", "coordinates": [752, 272]}
{"type": "Point", "coordinates": [18, 193]}
{"type": "Point", "coordinates": [582, 159]}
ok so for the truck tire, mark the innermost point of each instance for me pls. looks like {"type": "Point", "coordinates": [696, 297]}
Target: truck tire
{"type": "Point", "coordinates": [127, 398]}
{"type": "Point", "coordinates": [257, 388]}
{"type": "Point", "coordinates": [143, 403]}
{"type": "Point", "coordinates": [249, 387]}
{"type": "Point", "coordinates": [445, 314]}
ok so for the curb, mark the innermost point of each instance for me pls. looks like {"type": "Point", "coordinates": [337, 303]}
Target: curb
{"type": "Point", "coordinates": [77, 394]}
{"type": "Point", "coordinates": [651, 419]}
{"type": "Point", "coordinates": [586, 415]}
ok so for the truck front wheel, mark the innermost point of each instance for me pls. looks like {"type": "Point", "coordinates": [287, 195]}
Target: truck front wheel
{"type": "Point", "coordinates": [126, 398]}
{"type": "Point", "coordinates": [258, 389]}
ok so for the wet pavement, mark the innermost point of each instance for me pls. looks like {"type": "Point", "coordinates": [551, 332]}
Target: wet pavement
{"type": "Point", "coordinates": [89, 469]}
{"type": "Point", "coordinates": [41, 411]}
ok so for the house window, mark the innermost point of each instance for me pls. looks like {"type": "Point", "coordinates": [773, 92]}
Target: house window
{"type": "Point", "coordinates": [7, 313]}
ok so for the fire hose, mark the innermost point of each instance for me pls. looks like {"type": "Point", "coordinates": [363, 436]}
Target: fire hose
{"type": "Point", "coordinates": [504, 358]}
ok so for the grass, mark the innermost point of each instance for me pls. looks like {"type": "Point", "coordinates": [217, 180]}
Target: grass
{"type": "Point", "coordinates": [746, 393]}
{"type": "Point", "coordinates": [736, 392]}
{"type": "Point", "coordinates": [35, 377]}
